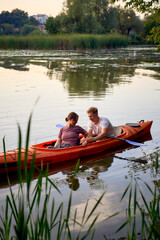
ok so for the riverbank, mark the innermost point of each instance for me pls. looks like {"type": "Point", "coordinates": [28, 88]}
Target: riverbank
{"type": "Point", "coordinates": [63, 42]}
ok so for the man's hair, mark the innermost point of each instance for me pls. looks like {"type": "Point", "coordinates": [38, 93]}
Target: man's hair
{"type": "Point", "coordinates": [92, 109]}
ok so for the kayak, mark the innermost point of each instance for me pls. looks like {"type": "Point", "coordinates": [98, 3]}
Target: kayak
{"type": "Point", "coordinates": [125, 135]}
{"type": "Point", "coordinates": [100, 161]}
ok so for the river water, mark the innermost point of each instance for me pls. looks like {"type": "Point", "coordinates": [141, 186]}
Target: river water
{"type": "Point", "coordinates": [124, 84]}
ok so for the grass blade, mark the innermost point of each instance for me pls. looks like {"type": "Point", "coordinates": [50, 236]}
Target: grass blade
{"type": "Point", "coordinates": [92, 211]}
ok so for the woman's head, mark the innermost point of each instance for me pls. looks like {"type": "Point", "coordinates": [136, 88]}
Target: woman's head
{"type": "Point", "coordinates": [72, 117]}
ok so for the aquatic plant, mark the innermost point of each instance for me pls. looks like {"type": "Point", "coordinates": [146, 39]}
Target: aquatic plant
{"type": "Point", "coordinates": [149, 212]}
{"type": "Point", "coordinates": [63, 42]}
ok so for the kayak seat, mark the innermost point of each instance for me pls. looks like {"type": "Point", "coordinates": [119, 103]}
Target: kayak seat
{"type": "Point", "coordinates": [118, 130]}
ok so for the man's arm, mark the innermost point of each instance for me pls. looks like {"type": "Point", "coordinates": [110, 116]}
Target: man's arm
{"type": "Point", "coordinates": [99, 137]}
{"type": "Point", "coordinates": [90, 132]}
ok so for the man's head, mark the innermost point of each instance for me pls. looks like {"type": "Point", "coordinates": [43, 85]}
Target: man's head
{"type": "Point", "coordinates": [93, 114]}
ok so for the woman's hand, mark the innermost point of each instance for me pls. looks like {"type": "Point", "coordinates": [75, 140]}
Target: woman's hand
{"type": "Point", "coordinates": [83, 141]}
{"type": "Point", "coordinates": [57, 142]}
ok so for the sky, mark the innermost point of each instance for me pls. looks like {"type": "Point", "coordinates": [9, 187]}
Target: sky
{"type": "Point", "coordinates": [32, 7]}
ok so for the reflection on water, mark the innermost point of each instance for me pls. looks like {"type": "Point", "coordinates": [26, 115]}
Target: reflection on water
{"type": "Point", "coordinates": [88, 73]}
{"type": "Point", "coordinates": [89, 169]}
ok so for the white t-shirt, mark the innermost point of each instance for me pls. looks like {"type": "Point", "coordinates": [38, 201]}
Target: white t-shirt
{"type": "Point", "coordinates": [103, 123]}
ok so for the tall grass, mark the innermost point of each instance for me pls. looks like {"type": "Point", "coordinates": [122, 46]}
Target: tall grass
{"type": "Point", "coordinates": [63, 42]}
{"type": "Point", "coordinates": [148, 212]}
{"type": "Point", "coordinates": [26, 215]}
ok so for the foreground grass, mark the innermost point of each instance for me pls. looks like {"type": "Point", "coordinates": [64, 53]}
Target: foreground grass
{"type": "Point", "coordinates": [63, 42]}
{"type": "Point", "coordinates": [138, 206]}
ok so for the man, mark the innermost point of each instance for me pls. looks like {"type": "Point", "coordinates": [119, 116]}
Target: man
{"type": "Point", "coordinates": [98, 127]}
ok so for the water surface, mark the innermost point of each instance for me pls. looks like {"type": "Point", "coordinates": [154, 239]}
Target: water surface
{"type": "Point", "coordinates": [125, 86]}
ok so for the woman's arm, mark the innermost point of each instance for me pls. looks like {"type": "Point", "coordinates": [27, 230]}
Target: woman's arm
{"type": "Point", "coordinates": [84, 140]}
{"type": "Point", "coordinates": [57, 142]}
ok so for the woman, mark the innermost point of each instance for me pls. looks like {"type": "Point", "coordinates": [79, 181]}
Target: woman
{"type": "Point", "coordinates": [69, 135]}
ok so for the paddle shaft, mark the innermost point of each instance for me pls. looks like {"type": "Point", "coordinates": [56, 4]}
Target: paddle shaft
{"type": "Point", "coordinates": [129, 141]}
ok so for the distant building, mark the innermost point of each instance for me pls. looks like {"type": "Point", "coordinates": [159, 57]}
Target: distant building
{"type": "Point", "coordinates": [41, 18]}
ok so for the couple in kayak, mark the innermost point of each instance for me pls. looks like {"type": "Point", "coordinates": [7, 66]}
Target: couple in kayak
{"type": "Point", "coordinates": [98, 128]}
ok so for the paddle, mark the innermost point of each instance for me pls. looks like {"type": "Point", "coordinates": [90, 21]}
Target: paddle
{"type": "Point", "coordinates": [59, 125]}
{"type": "Point", "coordinates": [126, 140]}
{"type": "Point", "coordinates": [129, 141]}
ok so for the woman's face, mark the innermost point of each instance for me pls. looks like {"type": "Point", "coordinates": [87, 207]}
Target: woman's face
{"type": "Point", "coordinates": [73, 121]}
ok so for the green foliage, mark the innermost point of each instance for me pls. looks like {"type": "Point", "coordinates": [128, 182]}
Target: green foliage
{"type": "Point", "coordinates": [152, 22]}
{"type": "Point", "coordinates": [17, 19]}
{"type": "Point", "coordinates": [149, 212]}
{"type": "Point", "coordinates": [51, 25]}
{"type": "Point", "coordinates": [128, 21]}
{"type": "Point", "coordinates": [140, 5]}
{"type": "Point", "coordinates": [152, 27]}
{"type": "Point", "coordinates": [79, 16]}
{"type": "Point", "coordinates": [6, 29]}
{"type": "Point", "coordinates": [27, 29]}
{"type": "Point", "coordinates": [63, 42]}
{"type": "Point", "coordinates": [33, 21]}
{"type": "Point", "coordinates": [89, 16]}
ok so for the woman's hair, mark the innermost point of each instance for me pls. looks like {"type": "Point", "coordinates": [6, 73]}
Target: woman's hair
{"type": "Point", "coordinates": [92, 109]}
{"type": "Point", "coordinates": [72, 115]}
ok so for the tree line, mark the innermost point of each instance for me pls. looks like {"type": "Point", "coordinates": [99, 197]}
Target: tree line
{"type": "Point", "coordinates": [15, 22]}
{"type": "Point", "coordinates": [91, 17]}
{"type": "Point", "coordinates": [96, 17]}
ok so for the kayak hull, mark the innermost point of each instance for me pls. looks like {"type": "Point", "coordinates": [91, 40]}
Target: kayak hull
{"type": "Point", "coordinates": [45, 156]}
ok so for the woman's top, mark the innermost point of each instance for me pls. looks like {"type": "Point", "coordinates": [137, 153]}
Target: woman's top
{"type": "Point", "coordinates": [70, 135]}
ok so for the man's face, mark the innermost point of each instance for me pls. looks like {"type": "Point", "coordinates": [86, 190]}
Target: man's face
{"type": "Point", "coordinates": [92, 117]}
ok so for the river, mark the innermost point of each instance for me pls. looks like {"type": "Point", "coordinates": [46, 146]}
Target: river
{"type": "Point", "coordinates": [124, 84]}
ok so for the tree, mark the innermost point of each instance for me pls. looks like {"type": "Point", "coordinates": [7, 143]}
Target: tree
{"type": "Point", "coordinates": [95, 16]}
{"type": "Point", "coordinates": [19, 18]}
{"type": "Point", "coordinates": [152, 27]}
{"type": "Point", "coordinates": [142, 6]}
{"type": "Point", "coordinates": [33, 21]}
{"type": "Point", "coordinates": [63, 23]}
{"type": "Point", "coordinates": [27, 29]}
{"type": "Point", "coordinates": [5, 17]}
{"type": "Point", "coordinates": [128, 21]}
{"type": "Point", "coordinates": [51, 25]}
{"type": "Point", "coordinates": [147, 7]}
{"type": "Point", "coordinates": [7, 29]}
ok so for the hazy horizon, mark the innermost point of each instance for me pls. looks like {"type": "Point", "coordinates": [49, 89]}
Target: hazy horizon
{"type": "Point", "coordinates": [48, 7]}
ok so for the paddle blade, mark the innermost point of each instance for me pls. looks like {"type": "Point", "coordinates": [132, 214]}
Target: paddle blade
{"type": "Point", "coordinates": [135, 143]}
{"type": "Point", "coordinates": [59, 125]}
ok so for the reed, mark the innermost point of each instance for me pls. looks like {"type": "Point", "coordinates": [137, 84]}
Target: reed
{"type": "Point", "coordinates": [26, 216]}
{"type": "Point", "coordinates": [63, 42]}
{"type": "Point", "coordinates": [148, 212]}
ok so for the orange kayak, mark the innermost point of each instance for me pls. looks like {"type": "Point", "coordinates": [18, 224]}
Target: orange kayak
{"type": "Point", "coordinates": [44, 155]}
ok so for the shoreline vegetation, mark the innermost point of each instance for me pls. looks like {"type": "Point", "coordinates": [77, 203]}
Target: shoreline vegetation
{"type": "Point", "coordinates": [63, 42]}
